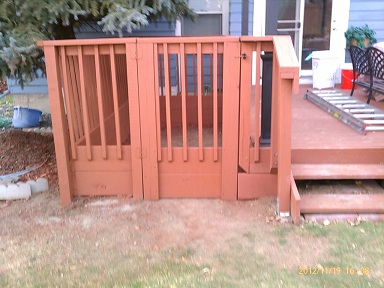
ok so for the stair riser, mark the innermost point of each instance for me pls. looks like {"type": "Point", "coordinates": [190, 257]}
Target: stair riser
{"type": "Point", "coordinates": [338, 156]}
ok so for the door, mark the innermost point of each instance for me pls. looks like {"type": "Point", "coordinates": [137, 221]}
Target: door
{"type": "Point", "coordinates": [313, 25]}
{"type": "Point", "coordinates": [285, 17]}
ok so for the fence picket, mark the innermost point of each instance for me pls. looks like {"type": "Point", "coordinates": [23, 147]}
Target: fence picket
{"type": "Point", "coordinates": [100, 102]}
{"type": "Point", "coordinates": [75, 103]}
{"type": "Point", "coordinates": [168, 101]}
{"type": "Point", "coordinates": [215, 105]}
{"type": "Point", "coordinates": [115, 100]}
{"type": "Point", "coordinates": [184, 101]}
{"type": "Point", "coordinates": [200, 100]}
{"type": "Point", "coordinates": [68, 102]}
{"type": "Point", "coordinates": [84, 104]}
{"type": "Point", "coordinates": [158, 73]}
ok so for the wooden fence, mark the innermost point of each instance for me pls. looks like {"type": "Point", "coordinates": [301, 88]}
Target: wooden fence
{"type": "Point", "coordinates": [171, 117]}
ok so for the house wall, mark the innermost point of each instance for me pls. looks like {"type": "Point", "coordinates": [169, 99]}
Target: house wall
{"type": "Point", "coordinates": [92, 30]}
{"type": "Point", "coordinates": [37, 86]}
{"type": "Point", "coordinates": [235, 17]}
{"type": "Point", "coordinates": [368, 12]}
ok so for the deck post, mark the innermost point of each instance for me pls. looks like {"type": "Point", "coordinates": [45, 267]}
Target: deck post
{"type": "Point", "coordinates": [285, 81]}
{"type": "Point", "coordinates": [245, 105]}
{"type": "Point", "coordinates": [148, 118]}
{"type": "Point", "coordinates": [231, 99]}
{"type": "Point", "coordinates": [59, 124]}
{"type": "Point", "coordinates": [134, 112]}
{"type": "Point", "coordinates": [284, 147]}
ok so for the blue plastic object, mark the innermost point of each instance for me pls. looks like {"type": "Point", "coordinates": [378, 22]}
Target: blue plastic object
{"type": "Point", "coordinates": [25, 117]}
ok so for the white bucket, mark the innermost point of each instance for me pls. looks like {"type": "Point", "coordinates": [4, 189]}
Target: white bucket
{"type": "Point", "coordinates": [324, 68]}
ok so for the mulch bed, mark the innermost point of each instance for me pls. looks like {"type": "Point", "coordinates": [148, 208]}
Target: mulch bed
{"type": "Point", "coordinates": [19, 150]}
{"type": "Point", "coordinates": [3, 86]}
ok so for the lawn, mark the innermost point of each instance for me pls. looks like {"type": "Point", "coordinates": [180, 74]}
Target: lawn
{"type": "Point", "coordinates": [119, 242]}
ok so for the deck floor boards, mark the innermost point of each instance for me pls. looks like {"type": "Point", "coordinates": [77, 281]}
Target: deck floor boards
{"type": "Point", "coordinates": [313, 128]}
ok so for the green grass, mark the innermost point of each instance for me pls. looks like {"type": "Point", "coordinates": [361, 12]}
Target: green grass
{"type": "Point", "coordinates": [7, 100]}
{"type": "Point", "coordinates": [6, 117]}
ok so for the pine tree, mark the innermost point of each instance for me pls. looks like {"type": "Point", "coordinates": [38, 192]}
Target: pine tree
{"type": "Point", "coordinates": [23, 22]}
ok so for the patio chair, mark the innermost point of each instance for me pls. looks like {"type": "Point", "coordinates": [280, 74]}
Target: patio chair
{"type": "Point", "coordinates": [360, 67]}
{"type": "Point", "coordinates": [376, 64]}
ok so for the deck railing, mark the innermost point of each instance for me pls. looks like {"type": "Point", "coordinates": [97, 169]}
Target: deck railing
{"type": "Point", "coordinates": [120, 106]}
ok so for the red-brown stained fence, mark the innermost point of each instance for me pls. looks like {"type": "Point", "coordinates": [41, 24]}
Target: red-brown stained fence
{"type": "Point", "coordinates": [170, 117]}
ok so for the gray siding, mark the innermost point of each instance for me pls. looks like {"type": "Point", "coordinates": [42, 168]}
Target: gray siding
{"type": "Point", "coordinates": [250, 17]}
{"type": "Point", "coordinates": [235, 17]}
{"type": "Point", "coordinates": [37, 86]}
{"type": "Point", "coordinates": [369, 12]}
{"type": "Point", "coordinates": [92, 30]}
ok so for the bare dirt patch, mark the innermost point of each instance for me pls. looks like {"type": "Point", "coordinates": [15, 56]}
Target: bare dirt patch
{"type": "Point", "coordinates": [41, 233]}
{"type": "Point", "coordinates": [111, 241]}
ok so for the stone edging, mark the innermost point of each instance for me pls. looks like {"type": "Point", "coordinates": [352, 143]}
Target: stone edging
{"type": "Point", "coordinates": [22, 190]}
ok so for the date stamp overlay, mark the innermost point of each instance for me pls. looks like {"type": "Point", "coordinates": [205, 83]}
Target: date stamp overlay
{"type": "Point", "coordinates": [359, 271]}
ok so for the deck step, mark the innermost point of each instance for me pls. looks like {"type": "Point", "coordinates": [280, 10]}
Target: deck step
{"type": "Point", "coordinates": [337, 171]}
{"type": "Point", "coordinates": [341, 203]}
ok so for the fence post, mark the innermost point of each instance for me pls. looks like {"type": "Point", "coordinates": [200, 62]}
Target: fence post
{"type": "Point", "coordinates": [231, 95]}
{"type": "Point", "coordinates": [59, 123]}
{"type": "Point", "coordinates": [146, 84]}
{"type": "Point", "coordinates": [134, 121]}
{"type": "Point", "coordinates": [284, 146]}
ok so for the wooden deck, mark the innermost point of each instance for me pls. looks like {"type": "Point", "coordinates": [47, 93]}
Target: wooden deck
{"type": "Point", "coordinates": [318, 138]}
{"type": "Point", "coordinates": [325, 148]}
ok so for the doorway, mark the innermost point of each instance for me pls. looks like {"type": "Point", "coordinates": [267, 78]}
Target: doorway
{"type": "Point", "coordinates": [312, 24]}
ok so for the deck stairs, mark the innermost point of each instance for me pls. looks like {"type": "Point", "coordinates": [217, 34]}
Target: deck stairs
{"type": "Point", "coordinates": [363, 118]}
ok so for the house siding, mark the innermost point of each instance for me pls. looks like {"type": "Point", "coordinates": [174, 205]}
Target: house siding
{"type": "Point", "coordinates": [37, 86]}
{"type": "Point", "coordinates": [368, 12]}
{"type": "Point", "coordinates": [160, 28]}
{"type": "Point", "coordinates": [235, 17]}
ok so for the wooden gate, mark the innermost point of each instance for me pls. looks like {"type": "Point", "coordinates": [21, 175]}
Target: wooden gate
{"type": "Point", "coordinates": [266, 165]}
{"type": "Point", "coordinates": [189, 99]}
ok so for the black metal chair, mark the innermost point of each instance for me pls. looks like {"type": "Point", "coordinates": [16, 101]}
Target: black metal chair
{"type": "Point", "coordinates": [360, 66]}
{"type": "Point", "coordinates": [376, 64]}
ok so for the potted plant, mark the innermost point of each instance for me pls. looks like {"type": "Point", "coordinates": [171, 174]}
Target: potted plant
{"type": "Point", "coordinates": [360, 36]}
